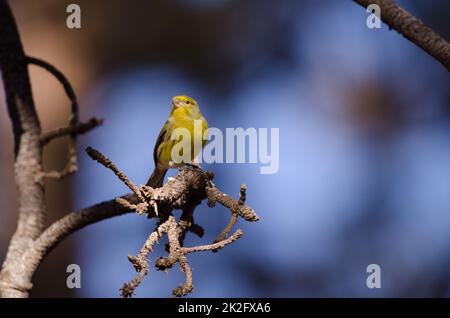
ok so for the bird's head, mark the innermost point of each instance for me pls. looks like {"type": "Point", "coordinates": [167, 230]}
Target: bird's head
{"type": "Point", "coordinates": [183, 101]}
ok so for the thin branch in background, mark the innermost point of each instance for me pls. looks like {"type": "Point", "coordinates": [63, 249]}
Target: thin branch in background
{"type": "Point", "coordinates": [70, 92]}
{"type": "Point", "coordinates": [78, 129]}
{"type": "Point", "coordinates": [74, 128]}
{"type": "Point", "coordinates": [413, 29]}
{"type": "Point", "coordinates": [71, 166]}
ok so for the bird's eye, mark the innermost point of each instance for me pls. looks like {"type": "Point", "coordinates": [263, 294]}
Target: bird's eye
{"type": "Point", "coordinates": [187, 102]}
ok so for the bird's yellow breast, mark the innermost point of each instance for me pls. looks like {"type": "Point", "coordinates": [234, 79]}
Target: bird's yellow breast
{"type": "Point", "coordinates": [183, 117]}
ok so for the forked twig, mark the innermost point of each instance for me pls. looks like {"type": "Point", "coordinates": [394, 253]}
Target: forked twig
{"type": "Point", "coordinates": [185, 192]}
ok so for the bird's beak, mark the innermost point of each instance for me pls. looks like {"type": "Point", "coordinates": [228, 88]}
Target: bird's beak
{"type": "Point", "coordinates": [176, 102]}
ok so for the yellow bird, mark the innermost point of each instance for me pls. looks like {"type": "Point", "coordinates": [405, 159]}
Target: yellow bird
{"type": "Point", "coordinates": [185, 111]}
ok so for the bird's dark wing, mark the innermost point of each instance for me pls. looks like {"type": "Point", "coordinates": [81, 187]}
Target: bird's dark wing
{"type": "Point", "coordinates": [161, 137]}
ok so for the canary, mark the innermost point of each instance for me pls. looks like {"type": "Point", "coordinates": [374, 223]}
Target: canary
{"type": "Point", "coordinates": [185, 111]}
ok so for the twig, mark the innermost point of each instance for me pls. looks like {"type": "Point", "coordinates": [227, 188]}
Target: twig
{"type": "Point", "coordinates": [215, 246]}
{"type": "Point", "coordinates": [196, 229]}
{"type": "Point", "coordinates": [99, 157]}
{"type": "Point", "coordinates": [78, 129]}
{"type": "Point", "coordinates": [183, 290]}
{"type": "Point", "coordinates": [413, 29]}
{"type": "Point", "coordinates": [71, 166]}
{"type": "Point", "coordinates": [244, 211]}
{"type": "Point", "coordinates": [234, 217]}
{"type": "Point", "coordinates": [185, 222]}
{"type": "Point", "coordinates": [176, 254]}
{"type": "Point", "coordinates": [226, 230]}
{"type": "Point", "coordinates": [242, 194]}
{"type": "Point", "coordinates": [70, 92]}
{"type": "Point", "coordinates": [140, 208]}
{"type": "Point", "coordinates": [140, 262]}
{"type": "Point", "coordinates": [75, 127]}
{"type": "Point", "coordinates": [185, 192]}
{"type": "Point", "coordinates": [67, 225]}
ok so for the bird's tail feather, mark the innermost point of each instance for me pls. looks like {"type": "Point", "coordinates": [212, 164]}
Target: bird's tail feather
{"type": "Point", "coordinates": [157, 178]}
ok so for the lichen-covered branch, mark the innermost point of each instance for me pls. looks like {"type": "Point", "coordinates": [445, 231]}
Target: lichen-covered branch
{"type": "Point", "coordinates": [185, 192]}
{"type": "Point", "coordinates": [233, 218]}
{"type": "Point", "coordinates": [99, 157]}
{"type": "Point", "coordinates": [413, 29]}
{"type": "Point", "coordinates": [244, 211]}
{"type": "Point", "coordinates": [215, 246]}
{"type": "Point", "coordinates": [140, 262]}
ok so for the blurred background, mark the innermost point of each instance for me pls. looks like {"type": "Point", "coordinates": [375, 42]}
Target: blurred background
{"type": "Point", "coordinates": [364, 119]}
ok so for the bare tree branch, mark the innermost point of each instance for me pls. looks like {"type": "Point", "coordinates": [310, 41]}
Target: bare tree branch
{"type": "Point", "coordinates": [28, 154]}
{"type": "Point", "coordinates": [65, 226]}
{"type": "Point", "coordinates": [140, 261]}
{"type": "Point", "coordinates": [186, 191]}
{"type": "Point", "coordinates": [15, 276]}
{"type": "Point", "coordinates": [244, 211]}
{"type": "Point", "coordinates": [74, 128]}
{"type": "Point", "coordinates": [234, 217]}
{"type": "Point", "coordinates": [71, 166]}
{"type": "Point", "coordinates": [78, 129]}
{"type": "Point", "coordinates": [70, 92]}
{"type": "Point", "coordinates": [215, 246]}
{"type": "Point", "coordinates": [99, 157]}
{"type": "Point", "coordinates": [32, 241]}
{"type": "Point", "coordinates": [413, 29]}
